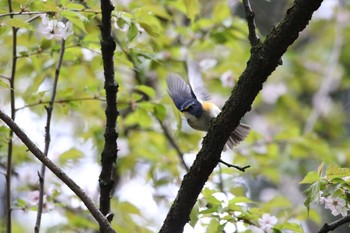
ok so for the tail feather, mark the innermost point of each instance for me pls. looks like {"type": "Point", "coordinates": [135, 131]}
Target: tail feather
{"type": "Point", "coordinates": [238, 135]}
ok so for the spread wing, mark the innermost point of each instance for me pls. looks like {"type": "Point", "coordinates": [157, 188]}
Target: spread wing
{"type": "Point", "coordinates": [179, 90]}
{"type": "Point", "coordinates": [196, 81]}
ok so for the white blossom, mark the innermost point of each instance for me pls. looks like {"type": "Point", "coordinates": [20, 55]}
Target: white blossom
{"type": "Point", "coordinates": [227, 79]}
{"type": "Point", "coordinates": [271, 92]}
{"type": "Point", "coordinates": [335, 204]}
{"type": "Point", "coordinates": [54, 29]}
{"type": "Point", "coordinates": [207, 63]}
{"type": "Point", "coordinates": [267, 222]}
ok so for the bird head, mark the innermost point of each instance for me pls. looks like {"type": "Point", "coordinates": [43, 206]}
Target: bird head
{"type": "Point", "coordinates": [193, 107]}
{"type": "Point", "coordinates": [183, 96]}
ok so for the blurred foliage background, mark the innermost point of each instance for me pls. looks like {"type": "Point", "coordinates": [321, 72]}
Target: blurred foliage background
{"type": "Point", "coordinates": [299, 121]}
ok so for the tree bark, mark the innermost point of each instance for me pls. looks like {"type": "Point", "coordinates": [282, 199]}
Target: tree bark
{"type": "Point", "coordinates": [263, 61]}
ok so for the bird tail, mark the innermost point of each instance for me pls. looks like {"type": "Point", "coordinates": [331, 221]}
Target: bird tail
{"type": "Point", "coordinates": [238, 135]}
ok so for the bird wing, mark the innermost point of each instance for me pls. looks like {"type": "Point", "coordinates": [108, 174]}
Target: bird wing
{"type": "Point", "coordinates": [196, 80]}
{"type": "Point", "coordinates": [179, 90]}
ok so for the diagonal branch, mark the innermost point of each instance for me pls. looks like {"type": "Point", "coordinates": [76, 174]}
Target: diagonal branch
{"type": "Point", "coordinates": [327, 227]}
{"type": "Point", "coordinates": [263, 61]}
{"type": "Point", "coordinates": [58, 172]}
{"type": "Point", "coordinates": [173, 144]}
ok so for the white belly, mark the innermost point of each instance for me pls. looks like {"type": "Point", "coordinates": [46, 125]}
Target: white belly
{"type": "Point", "coordinates": [201, 123]}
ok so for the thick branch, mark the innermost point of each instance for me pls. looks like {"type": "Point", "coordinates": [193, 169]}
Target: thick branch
{"type": "Point", "coordinates": [58, 172]}
{"type": "Point", "coordinates": [263, 61]}
{"type": "Point", "coordinates": [109, 153]}
{"type": "Point", "coordinates": [327, 227]}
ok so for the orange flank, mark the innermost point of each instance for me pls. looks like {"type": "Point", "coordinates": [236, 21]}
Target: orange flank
{"type": "Point", "coordinates": [210, 108]}
{"type": "Point", "coordinates": [207, 106]}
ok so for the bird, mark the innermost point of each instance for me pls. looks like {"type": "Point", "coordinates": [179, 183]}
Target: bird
{"type": "Point", "coordinates": [199, 111]}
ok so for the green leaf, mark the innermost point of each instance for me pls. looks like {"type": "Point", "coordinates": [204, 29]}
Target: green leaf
{"type": "Point", "coordinates": [139, 117]}
{"type": "Point", "coordinates": [312, 194]}
{"type": "Point", "coordinates": [192, 8]}
{"type": "Point", "coordinates": [129, 207]}
{"type": "Point", "coordinates": [221, 11]}
{"type": "Point", "coordinates": [333, 171]}
{"type": "Point", "coordinates": [207, 192]}
{"type": "Point", "coordinates": [194, 216]}
{"type": "Point", "coordinates": [311, 177]}
{"type": "Point", "coordinates": [70, 155]}
{"type": "Point", "coordinates": [151, 25]}
{"type": "Point", "coordinates": [19, 23]}
{"type": "Point", "coordinates": [3, 30]}
{"type": "Point", "coordinates": [4, 84]}
{"type": "Point", "coordinates": [132, 32]}
{"type": "Point", "coordinates": [213, 200]}
{"type": "Point", "coordinates": [293, 227]}
{"type": "Point", "coordinates": [74, 6]}
{"type": "Point", "coordinates": [44, 6]}
{"type": "Point", "coordinates": [76, 18]}
{"type": "Point", "coordinates": [320, 169]}
{"type": "Point", "coordinates": [121, 22]}
{"type": "Point", "coordinates": [209, 210]}
{"type": "Point", "coordinates": [147, 106]}
{"type": "Point", "coordinates": [215, 226]}
{"type": "Point", "coordinates": [149, 91]}
{"type": "Point", "coordinates": [20, 203]}
{"type": "Point", "coordinates": [236, 200]}
{"type": "Point", "coordinates": [160, 111]}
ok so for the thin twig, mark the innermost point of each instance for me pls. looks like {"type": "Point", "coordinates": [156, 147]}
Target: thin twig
{"type": "Point", "coordinates": [26, 55]}
{"type": "Point", "coordinates": [138, 75]}
{"type": "Point", "coordinates": [327, 227]}
{"type": "Point", "coordinates": [5, 77]}
{"type": "Point", "coordinates": [49, 110]}
{"type": "Point", "coordinates": [11, 14]}
{"type": "Point", "coordinates": [13, 116]}
{"type": "Point", "coordinates": [242, 169]}
{"type": "Point", "coordinates": [173, 144]}
{"type": "Point", "coordinates": [101, 219]}
{"type": "Point", "coordinates": [250, 15]}
{"type": "Point", "coordinates": [221, 180]}
{"type": "Point", "coordinates": [61, 101]}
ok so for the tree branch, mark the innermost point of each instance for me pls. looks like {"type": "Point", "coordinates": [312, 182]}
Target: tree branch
{"type": "Point", "coordinates": [60, 101]}
{"type": "Point", "coordinates": [8, 211]}
{"type": "Point", "coordinates": [332, 226]}
{"type": "Point", "coordinates": [58, 172]}
{"type": "Point", "coordinates": [109, 153]}
{"type": "Point", "coordinates": [249, 14]}
{"type": "Point", "coordinates": [263, 61]}
{"type": "Point", "coordinates": [11, 14]}
{"type": "Point", "coordinates": [173, 144]}
{"type": "Point", "coordinates": [49, 110]}
{"type": "Point", "coordinates": [242, 169]}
